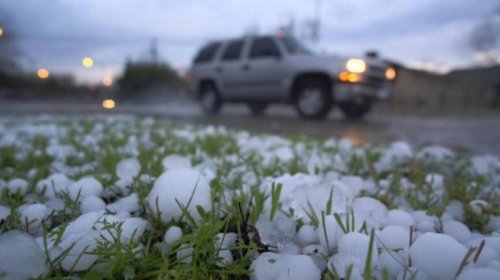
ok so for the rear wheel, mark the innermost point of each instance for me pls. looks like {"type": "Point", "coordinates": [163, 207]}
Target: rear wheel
{"type": "Point", "coordinates": [312, 99]}
{"type": "Point", "coordinates": [257, 108]}
{"type": "Point", "coordinates": [355, 110]}
{"type": "Point", "coordinates": [210, 100]}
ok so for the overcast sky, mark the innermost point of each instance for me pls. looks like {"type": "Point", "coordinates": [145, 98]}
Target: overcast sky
{"type": "Point", "coordinates": [57, 34]}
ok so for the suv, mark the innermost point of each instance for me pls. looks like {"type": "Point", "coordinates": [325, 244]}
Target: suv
{"type": "Point", "coordinates": [261, 70]}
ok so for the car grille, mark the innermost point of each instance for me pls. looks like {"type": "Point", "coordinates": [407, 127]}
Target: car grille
{"type": "Point", "coordinates": [374, 80]}
{"type": "Point", "coordinates": [376, 71]}
{"type": "Point", "coordinates": [374, 75]}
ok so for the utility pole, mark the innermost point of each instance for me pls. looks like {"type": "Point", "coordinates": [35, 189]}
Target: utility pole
{"type": "Point", "coordinates": [312, 25]}
{"type": "Point", "coordinates": [316, 22]}
{"type": "Point", "coordinates": [288, 28]}
{"type": "Point", "coordinates": [153, 51]}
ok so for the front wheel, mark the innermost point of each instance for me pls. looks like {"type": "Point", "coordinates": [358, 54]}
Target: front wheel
{"type": "Point", "coordinates": [210, 99]}
{"type": "Point", "coordinates": [355, 110]}
{"type": "Point", "coordinates": [312, 99]}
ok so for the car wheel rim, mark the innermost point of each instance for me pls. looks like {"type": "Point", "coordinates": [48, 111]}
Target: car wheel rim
{"type": "Point", "coordinates": [311, 101]}
{"type": "Point", "coordinates": [208, 100]}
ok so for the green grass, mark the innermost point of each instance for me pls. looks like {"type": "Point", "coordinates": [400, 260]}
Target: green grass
{"type": "Point", "coordinates": [99, 144]}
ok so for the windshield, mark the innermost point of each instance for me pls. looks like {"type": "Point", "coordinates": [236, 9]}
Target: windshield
{"type": "Point", "coordinates": [293, 46]}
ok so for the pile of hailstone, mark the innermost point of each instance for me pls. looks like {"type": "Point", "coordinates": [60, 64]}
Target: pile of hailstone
{"type": "Point", "coordinates": [126, 197]}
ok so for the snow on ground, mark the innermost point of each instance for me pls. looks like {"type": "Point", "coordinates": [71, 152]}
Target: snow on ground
{"type": "Point", "coordinates": [137, 197]}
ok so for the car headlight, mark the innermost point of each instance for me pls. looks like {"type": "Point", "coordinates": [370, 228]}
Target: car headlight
{"type": "Point", "coordinates": [355, 65]}
{"type": "Point", "coordinates": [390, 73]}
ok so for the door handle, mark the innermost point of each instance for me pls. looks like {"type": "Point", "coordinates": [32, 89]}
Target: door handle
{"type": "Point", "coordinates": [218, 69]}
{"type": "Point", "coordinates": [245, 67]}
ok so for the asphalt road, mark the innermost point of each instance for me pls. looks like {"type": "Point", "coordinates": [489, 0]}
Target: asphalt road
{"type": "Point", "coordinates": [472, 135]}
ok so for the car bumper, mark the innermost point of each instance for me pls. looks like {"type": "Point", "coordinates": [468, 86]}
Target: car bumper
{"type": "Point", "coordinates": [351, 91]}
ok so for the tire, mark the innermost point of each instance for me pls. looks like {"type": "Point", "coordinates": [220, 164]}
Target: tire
{"type": "Point", "coordinates": [355, 110]}
{"type": "Point", "coordinates": [312, 99]}
{"type": "Point", "coordinates": [209, 98]}
{"type": "Point", "coordinates": [257, 108]}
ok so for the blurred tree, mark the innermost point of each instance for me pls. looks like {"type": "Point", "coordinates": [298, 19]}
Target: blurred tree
{"type": "Point", "coordinates": [149, 73]}
{"type": "Point", "coordinates": [8, 50]}
{"type": "Point", "coordinates": [142, 75]}
{"type": "Point", "coordinates": [13, 78]}
{"type": "Point", "coordinates": [485, 39]}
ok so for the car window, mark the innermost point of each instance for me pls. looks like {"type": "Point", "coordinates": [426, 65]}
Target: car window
{"type": "Point", "coordinates": [207, 53]}
{"type": "Point", "coordinates": [294, 47]}
{"type": "Point", "coordinates": [233, 50]}
{"type": "Point", "coordinates": [264, 47]}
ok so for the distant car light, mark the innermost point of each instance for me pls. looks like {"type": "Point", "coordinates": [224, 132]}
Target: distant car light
{"type": "Point", "coordinates": [356, 65]}
{"type": "Point", "coordinates": [107, 82]}
{"type": "Point", "coordinates": [390, 73]}
{"type": "Point", "coordinates": [108, 104]}
{"type": "Point", "coordinates": [42, 73]}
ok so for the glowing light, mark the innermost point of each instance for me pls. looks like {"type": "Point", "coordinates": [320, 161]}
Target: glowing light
{"type": "Point", "coordinates": [108, 104]}
{"type": "Point", "coordinates": [87, 62]}
{"type": "Point", "coordinates": [390, 73]}
{"type": "Point", "coordinates": [356, 65]}
{"type": "Point", "coordinates": [344, 76]}
{"type": "Point", "coordinates": [350, 77]}
{"type": "Point", "coordinates": [353, 77]}
{"type": "Point", "coordinates": [108, 81]}
{"type": "Point", "coordinates": [42, 73]}
{"type": "Point", "coordinates": [1, 32]}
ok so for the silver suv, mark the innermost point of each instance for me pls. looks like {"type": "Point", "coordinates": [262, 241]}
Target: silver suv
{"type": "Point", "coordinates": [261, 70]}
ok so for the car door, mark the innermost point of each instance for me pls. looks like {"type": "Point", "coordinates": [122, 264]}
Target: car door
{"type": "Point", "coordinates": [229, 70]}
{"type": "Point", "coordinates": [265, 69]}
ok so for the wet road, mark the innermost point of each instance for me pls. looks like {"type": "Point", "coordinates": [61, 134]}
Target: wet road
{"type": "Point", "coordinates": [472, 135]}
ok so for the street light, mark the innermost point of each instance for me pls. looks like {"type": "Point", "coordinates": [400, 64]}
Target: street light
{"type": "Point", "coordinates": [1, 32]}
{"type": "Point", "coordinates": [87, 62]}
{"type": "Point", "coordinates": [42, 73]}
